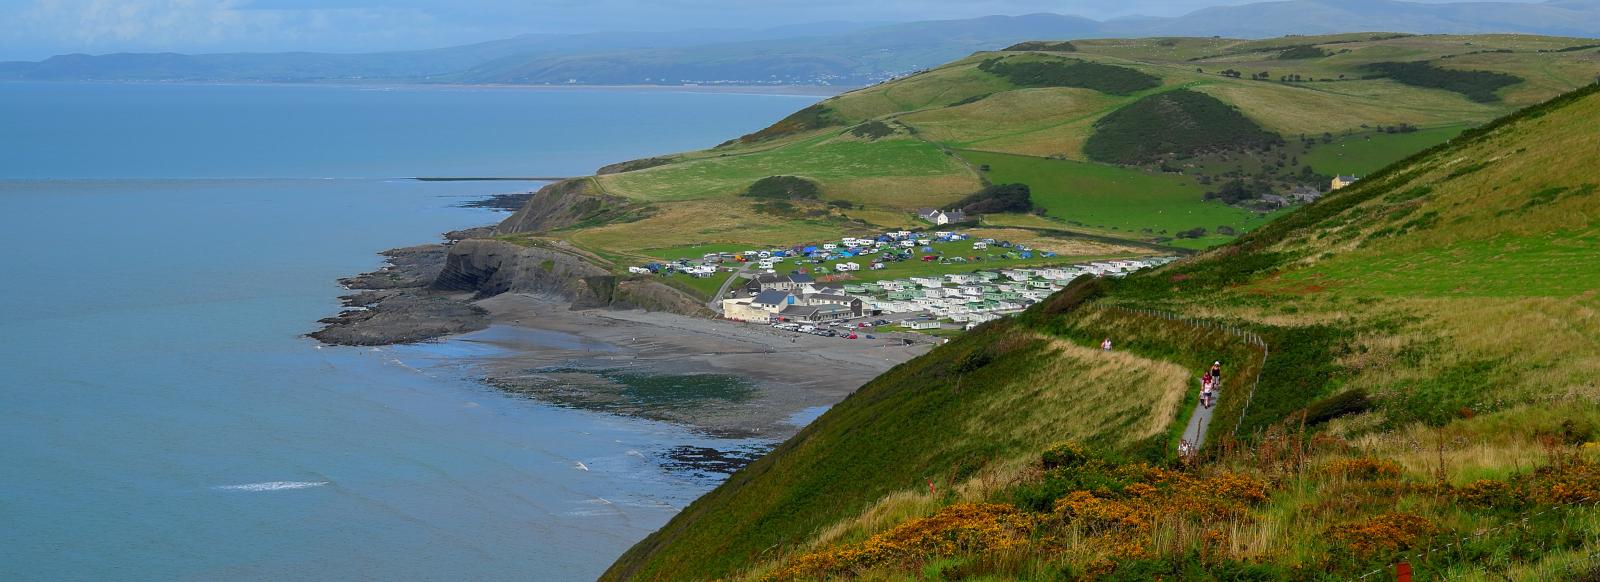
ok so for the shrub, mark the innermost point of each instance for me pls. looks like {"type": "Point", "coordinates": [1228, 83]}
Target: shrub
{"type": "Point", "coordinates": [1109, 79]}
{"type": "Point", "coordinates": [872, 130]}
{"type": "Point", "coordinates": [1478, 86]}
{"type": "Point", "coordinates": [783, 188]}
{"type": "Point", "coordinates": [1044, 46]}
{"type": "Point", "coordinates": [1341, 404]}
{"type": "Point", "coordinates": [1179, 123]}
{"type": "Point", "coordinates": [1302, 52]}
{"type": "Point", "coordinates": [1066, 455]}
{"type": "Point", "coordinates": [1487, 494]}
{"type": "Point", "coordinates": [963, 528]}
{"type": "Point", "coordinates": [998, 198]}
{"type": "Point", "coordinates": [1389, 532]}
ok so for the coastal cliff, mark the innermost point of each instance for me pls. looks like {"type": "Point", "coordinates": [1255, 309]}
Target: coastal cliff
{"type": "Point", "coordinates": [489, 267]}
{"type": "Point", "coordinates": [564, 204]}
{"type": "Point", "coordinates": [429, 291]}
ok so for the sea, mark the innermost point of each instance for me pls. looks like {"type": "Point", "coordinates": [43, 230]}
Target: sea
{"type": "Point", "coordinates": [162, 416]}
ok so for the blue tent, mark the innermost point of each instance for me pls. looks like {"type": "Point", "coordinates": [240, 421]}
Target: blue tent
{"type": "Point", "coordinates": [809, 250]}
{"type": "Point", "coordinates": [927, 249]}
{"type": "Point", "coordinates": [1027, 255]}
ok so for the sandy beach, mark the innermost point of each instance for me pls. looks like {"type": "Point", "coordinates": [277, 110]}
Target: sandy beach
{"type": "Point", "coordinates": [775, 381]}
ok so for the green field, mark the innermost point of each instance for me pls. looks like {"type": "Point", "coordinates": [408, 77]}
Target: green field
{"type": "Point", "coordinates": [1365, 153]}
{"type": "Point", "coordinates": [1557, 264]}
{"type": "Point", "coordinates": [918, 169]}
{"type": "Point", "coordinates": [700, 288]}
{"type": "Point", "coordinates": [1121, 200]}
{"type": "Point", "coordinates": [696, 251]}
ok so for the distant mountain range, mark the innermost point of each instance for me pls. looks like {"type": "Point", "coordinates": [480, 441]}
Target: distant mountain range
{"type": "Point", "coordinates": [834, 53]}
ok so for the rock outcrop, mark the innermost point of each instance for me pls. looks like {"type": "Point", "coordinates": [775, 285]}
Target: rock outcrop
{"type": "Point", "coordinates": [567, 203]}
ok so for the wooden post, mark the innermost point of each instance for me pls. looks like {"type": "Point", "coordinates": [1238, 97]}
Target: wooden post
{"type": "Point", "coordinates": [1402, 572]}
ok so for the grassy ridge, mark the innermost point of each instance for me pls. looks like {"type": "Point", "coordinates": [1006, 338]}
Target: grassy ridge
{"type": "Point", "coordinates": [1472, 382]}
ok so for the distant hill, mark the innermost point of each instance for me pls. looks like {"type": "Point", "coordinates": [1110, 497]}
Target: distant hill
{"type": "Point", "coordinates": [1177, 141]}
{"type": "Point", "coordinates": [1557, 18]}
{"type": "Point", "coordinates": [834, 53]}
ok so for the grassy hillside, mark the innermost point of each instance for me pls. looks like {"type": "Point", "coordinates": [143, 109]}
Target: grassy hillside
{"type": "Point", "coordinates": [1076, 127]}
{"type": "Point", "coordinates": [1423, 390]}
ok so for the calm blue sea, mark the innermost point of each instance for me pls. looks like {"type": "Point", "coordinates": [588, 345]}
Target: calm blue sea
{"type": "Point", "coordinates": [161, 416]}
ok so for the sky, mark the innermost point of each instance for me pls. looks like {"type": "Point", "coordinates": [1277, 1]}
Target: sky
{"type": "Point", "coordinates": [36, 29]}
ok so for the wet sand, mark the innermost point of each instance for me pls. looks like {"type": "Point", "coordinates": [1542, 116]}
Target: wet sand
{"type": "Point", "coordinates": [725, 378]}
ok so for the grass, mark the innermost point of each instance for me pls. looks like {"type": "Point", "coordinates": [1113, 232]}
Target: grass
{"type": "Point", "coordinates": [1453, 285]}
{"type": "Point", "coordinates": [695, 223]}
{"type": "Point", "coordinates": [1121, 200]}
{"type": "Point", "coordinates": [701, 288]}
{"type": "Point", "coordinates": [696, 251]}
{"type": "Point", "coordinates": [836, 163]}
{"type": "Point", "coordinates": [1365, 153]}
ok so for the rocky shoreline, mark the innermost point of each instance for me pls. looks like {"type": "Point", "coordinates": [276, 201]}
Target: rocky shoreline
{"type": "Point", "coordinates": [570, 333]}
{"type": "Point", "coordinates": [398, 302]}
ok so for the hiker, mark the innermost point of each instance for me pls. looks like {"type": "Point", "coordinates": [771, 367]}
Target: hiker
{"type": "Point", "coordinates": [1106, 345]}
{"type": "Point", "coordinates": [1216, 370]}
{"type": "Point", "coordinates": [1207, 383]}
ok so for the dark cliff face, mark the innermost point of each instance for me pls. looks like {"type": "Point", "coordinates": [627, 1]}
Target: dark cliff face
{"type": "Point", "coordinates": [491, 267]}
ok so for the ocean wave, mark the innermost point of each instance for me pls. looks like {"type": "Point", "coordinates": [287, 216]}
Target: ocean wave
{"type": "Point", "coordinates": [271, 486]}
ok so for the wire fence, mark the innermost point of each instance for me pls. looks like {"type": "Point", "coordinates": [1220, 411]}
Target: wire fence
{"type": "Point", "coordinates": [1422, 555]}
{"type": "Point", "coordinates": [1248, 336]}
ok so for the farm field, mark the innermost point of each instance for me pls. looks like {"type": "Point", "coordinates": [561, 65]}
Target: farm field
{"type": "Point", "coordinates": [1365, 153]}
{"type": "Point", "coordinates": [894, 172]}
{"type": "Point", "coordinates": [1109, 198]}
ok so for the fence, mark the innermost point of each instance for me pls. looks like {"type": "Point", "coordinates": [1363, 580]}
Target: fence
{"type": "Point", "coordinates": [1248, 336]}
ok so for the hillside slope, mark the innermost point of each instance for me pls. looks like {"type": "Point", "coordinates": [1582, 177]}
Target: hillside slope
{"type": "Point", "coordinates": [1238, 123]}
{"type": "Point", "coordinates": [1424, 380]}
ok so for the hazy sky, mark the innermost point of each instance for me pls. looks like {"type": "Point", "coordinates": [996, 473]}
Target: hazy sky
{"type": "Point", "coordinates": [34, 29]}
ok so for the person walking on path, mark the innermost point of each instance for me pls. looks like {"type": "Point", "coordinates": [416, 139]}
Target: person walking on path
{"type": "Point", "coordinates": [1106, 345]}
{"type": "Point", "coordinates": [1216, 370]}
{"type": "Point", "coordinates": [1207, 383]}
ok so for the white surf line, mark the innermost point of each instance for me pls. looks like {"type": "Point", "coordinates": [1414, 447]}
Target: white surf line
{"type": "Point", "coordinates": [271, 486]}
